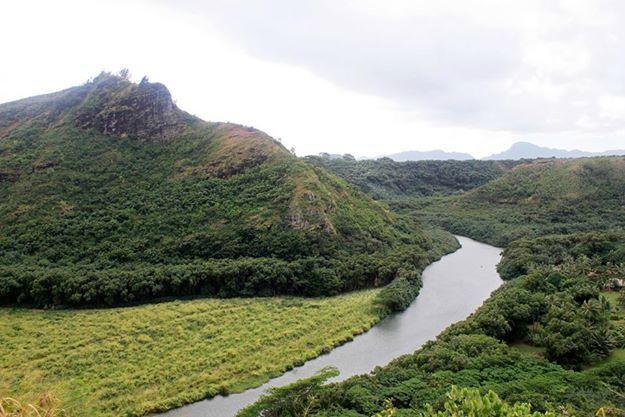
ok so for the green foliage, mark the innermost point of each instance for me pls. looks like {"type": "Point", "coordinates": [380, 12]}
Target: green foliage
{"type": "Point", "coordinates": [554, 307]}
{"type": "Point", "coordinates": [386, 179]}
{"type": "Point", "coordinates": [539, 198]}
{"type": "Point", "coordinates": [85, 285]}
{"type": "Point", "coordinates": [592, 251]}
{"type": "Point", "coordinates": [467, 402]}
{"type": "Point", "coordinates": [574, 334]}
{"type": "Point", "coordinates": [301, 395]}
{"type": "Point", "coordinates": [561, 223]}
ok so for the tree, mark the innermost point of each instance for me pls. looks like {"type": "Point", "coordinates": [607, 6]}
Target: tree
{"type": "Point", "coordinates": [299, 399]}
{"type": "Point", "coordinates": [574, 335]}
{"type": "Point", "coordinates": [124, 73]}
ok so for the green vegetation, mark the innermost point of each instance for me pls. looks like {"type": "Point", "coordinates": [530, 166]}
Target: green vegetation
{"type": "Point", "coordinates": [470, 402]}
{"type": "Point", "coordinates": [109, 194]}
{"type": "Point", "coordinates": [537, 198]}
{"type": "Point", "coordinates": [473, 354]}
{"type": "Point", "coordinates": [459, 402]}
{"type": "Point", "coordinates": [386, 179]}
{"type": "Point", "coordinates": [599, 255]}
{"type": "Point", "coordinates": [559, 305]}
{"type": "Point", "coordinates": [128, 361]}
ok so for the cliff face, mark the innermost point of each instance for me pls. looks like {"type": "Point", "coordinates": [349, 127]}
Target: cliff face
{"type": "Point", "coordinates": [143, 111]}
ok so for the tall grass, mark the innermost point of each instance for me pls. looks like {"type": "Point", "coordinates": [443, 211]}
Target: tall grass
{"type": "Point", "coordinates": [134, 360]}
{"type": "Point", "coordinates": [46, 406]}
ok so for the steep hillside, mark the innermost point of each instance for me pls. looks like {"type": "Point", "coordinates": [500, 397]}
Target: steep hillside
{"type": "Point", "coordinates": [109, 193]}
{"type": "Point", "coordinates": [386, 179]}
{"type": "Point", "coordinates": [537, 198]}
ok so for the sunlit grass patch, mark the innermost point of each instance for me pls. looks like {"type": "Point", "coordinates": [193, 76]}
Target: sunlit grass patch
{"type": "Point", "coordinates": [153, 357]}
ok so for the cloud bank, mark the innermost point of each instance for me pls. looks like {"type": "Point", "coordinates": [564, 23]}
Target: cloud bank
{"type": "Point", "coordinates": [525, 67]}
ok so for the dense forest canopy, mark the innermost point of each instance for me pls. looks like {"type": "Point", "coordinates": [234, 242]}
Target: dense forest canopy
{"type": "Point", "coordinates": [387, 179]}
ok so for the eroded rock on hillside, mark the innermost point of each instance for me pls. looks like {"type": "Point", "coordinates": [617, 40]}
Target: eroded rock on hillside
{"type": "Point", "coordinates": [118, 107]}
{"type": "Point", "coordinates": [110, 104]}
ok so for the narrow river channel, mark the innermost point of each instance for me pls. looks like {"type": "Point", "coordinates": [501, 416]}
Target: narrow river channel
{"type": "Point", "coordinates": [453, 288]}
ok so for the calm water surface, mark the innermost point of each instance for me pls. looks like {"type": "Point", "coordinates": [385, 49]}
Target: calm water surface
{"type": "Point", "coordinates": [452, 289]}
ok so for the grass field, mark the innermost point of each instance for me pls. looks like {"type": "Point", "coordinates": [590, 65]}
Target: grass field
{"type": "Point", "coordinates": [128, 361]}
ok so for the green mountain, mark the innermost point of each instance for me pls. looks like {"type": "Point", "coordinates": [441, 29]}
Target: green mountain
{"type": "Point", "coordinates": [537, 198]}
{"type": "Point", "coordinates": [109, 194]}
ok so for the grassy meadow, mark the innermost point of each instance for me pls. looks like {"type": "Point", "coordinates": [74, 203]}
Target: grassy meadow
{"type": "Point", "coordinates": [132, 360]}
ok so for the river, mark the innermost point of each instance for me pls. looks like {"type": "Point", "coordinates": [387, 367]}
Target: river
{"type": "Point", "coordinates": [453, 288]}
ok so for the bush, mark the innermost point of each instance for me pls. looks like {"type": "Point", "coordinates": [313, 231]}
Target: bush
{"type": "Point", "coordinates": [467, 402]}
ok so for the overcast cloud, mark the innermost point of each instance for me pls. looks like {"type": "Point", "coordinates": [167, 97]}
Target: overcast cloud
{"type": "Point", "coordinates": [372, 77]}
{"type": "Point", "coordinates": [525, 66]}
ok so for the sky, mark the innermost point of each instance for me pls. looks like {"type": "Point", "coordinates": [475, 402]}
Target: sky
{"type": "Point", "coordinates": [363, 77]}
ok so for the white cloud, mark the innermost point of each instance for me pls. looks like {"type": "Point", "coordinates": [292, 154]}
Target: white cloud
{"type": "Point", "coordinates": [364, 77]}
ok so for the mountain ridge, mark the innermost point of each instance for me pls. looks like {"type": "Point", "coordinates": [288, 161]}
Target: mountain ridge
{"type": "Point", "coordinates": [433, 155]}
{"type": "Point", "coordinates": [527, 150]}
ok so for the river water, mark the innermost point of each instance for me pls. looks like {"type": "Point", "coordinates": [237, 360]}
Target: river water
{"type": "Point", "coordinates": [453, 288]}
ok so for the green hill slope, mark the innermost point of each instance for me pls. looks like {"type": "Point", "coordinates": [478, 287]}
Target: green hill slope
{"type": "Point", "coordinates": [390, 180]}
{"type": "Point", "coordinates": [538, 198]}
{"type": "Point", "coordinates": [109, 193]}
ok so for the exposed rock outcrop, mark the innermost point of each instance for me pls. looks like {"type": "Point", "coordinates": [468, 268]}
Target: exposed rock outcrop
{"type": "Point", "coordinates": [109, 104]}
{"type": "Point", "coordinates": [118, 107]}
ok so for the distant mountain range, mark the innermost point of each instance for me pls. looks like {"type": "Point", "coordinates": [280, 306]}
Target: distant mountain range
{"type": "Point", "coordinates": [519, 150]}
{"type": "Point", "coordinates": [436, 155]}
{"type": "Point", "coordinates": [526, 150]}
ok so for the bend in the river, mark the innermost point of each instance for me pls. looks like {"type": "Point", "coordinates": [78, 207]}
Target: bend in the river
{"type": "Point", "coordinates": [453, 288]}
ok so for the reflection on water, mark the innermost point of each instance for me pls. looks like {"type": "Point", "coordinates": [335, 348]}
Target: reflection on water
{"type": "Point", "coordinates": [452, 289]}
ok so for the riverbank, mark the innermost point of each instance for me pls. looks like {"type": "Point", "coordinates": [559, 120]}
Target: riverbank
{"type": "Point", "coordinates": [453, 288]}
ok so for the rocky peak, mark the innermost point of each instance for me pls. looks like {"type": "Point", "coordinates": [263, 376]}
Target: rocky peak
{"type": "Point", "coordinates": [115, 106]}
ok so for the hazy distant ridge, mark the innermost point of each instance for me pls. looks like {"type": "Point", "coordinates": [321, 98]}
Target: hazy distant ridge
{"type": "Point", "coordinates": [526, 150]}
{"type": "Point", "coordinates": [435, 155]}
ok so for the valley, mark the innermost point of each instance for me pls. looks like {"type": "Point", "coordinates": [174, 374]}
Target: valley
{"type": "Point", "coordinates": [312, 209]}
{"type": "Point", "coordinates": [453, 288]}
{"type": "Point", "coordinates": [552, 336]}
{"type": "Point", "coordinates": [150, 260]}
